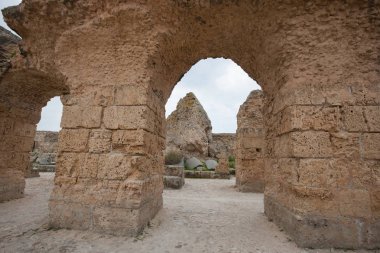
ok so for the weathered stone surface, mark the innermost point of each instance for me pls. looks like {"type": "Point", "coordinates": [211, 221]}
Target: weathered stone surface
{"type": "Point", "coordinates": [222, 168]}
{"type": "Point", "coordinates": [222, 143]}
{"type": "Point", "coordinates": [188, 128]}
{"type": "Point", "coordinates": [318, 67]}
{"type": "Point", "coordinates": [174, 177]}
{"type": "Point", "coordinates": [250, 144]}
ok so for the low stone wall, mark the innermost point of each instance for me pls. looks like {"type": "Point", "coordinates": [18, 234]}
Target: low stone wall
{"type": "Point", "coordinates": [205, 174]}
{"type": "Point", "coordinates": [222, 143]}
{"type": "Point", "coordinates": [43, 156]}
{"type": "Point", "coordinates": [174, 177]}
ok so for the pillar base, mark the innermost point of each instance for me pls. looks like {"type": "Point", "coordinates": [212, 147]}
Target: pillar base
{"type": "Point", "coordinates": [11, 189]}
{"type": "Point", "coordinates": [124, 218]}
{"type": "Point", "coordinates": [310, 231]}
{"type": "Point", "coordinates": [257, 186]}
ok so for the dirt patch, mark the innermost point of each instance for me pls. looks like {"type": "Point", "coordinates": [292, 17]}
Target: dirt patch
{"type": "Point", "coordinates": [204, 216]}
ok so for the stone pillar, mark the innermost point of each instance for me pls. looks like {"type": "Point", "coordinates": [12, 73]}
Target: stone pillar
{"type": "Point", "coordinates": [324, 142]}
{"type": "Point", "coordinates": [222, 169]}
{"type": "Point", "coordinates": [110, 161]}
{"type": "Point", "coordinates": [17, 129]}
{"type": "Point", "coordinates": [250, 144]}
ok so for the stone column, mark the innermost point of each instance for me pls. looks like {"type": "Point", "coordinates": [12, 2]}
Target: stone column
{"type": "Point", "coordinates": [222, 169]}
{"type": "Point", "coordinates": [17, 129]}
{"type": "Point", "coordinates": [250, 144]}
{"type": "Point", "coordinates": [324, 141]}
{"type": "Point", "coordinates": [110, 161]}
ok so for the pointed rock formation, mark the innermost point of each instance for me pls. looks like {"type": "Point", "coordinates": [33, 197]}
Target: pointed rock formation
{"type": "Point", "coordinates": [189, 128]}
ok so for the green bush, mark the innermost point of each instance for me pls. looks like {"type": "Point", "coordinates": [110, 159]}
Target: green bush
{"type": "Point", "coordinates": [231, 162]}
{"type": "Point", "coordinates": [173, 158]}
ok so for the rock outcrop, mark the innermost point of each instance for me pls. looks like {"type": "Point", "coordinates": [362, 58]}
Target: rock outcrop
{"type": "Point", "coordinates": [250, 144]}
{"type": "Point", "coordinates": [189, 128]}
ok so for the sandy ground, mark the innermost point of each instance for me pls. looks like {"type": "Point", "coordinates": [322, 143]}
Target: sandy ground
{"type": "Point", "coordinates": [205, 216]}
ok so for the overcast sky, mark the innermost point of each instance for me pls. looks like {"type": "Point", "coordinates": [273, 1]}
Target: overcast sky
{"type": "Point", "coordinates": [220, 85]}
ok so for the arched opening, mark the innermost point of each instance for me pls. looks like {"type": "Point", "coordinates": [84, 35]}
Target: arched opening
{"type": "Point", "coordinates": [201, 124]}
{"type": "Point", "coordinates": [215, 94]}
{"type": "Point", "coordinates": [44, 153]}
{"type": "Point", "coordinates": [321, 107]}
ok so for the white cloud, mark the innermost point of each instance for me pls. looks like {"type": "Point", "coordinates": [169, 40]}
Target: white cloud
{"type": "Point", "coordinates": [221, 86]}
{"type": "Point", "coordinates": [51, 116]}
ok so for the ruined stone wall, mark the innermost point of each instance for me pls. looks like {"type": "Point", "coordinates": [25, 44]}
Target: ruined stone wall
{"type": "Point", "coordinates": [222, 143]}
{"type": "Point", "coordinates": [317, 62]}
{"type": "Point", "coordinates": [250, 144]}
{"type": "Point", "coordinates": [23, 93]}
{"type": "Point", "coordinates": [45, 148]}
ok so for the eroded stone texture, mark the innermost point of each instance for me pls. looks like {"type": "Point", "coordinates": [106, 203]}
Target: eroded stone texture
{"type": "Point", "coordinates": [23, 92]}
{"type": "Point", "coordinates": [317, 62]}
{"type": "Point", "coordinates": [222, 169]}
{"type": "Point", "coordinates": [44, 152]}
{"type": "Point", "coordinates": [250, 144]}
{"type": "Point", "coordinates": [222, 143]}
{"type": "Point", "coordinates": [174, 176]}
{"type": "Point", "coordinates": [188, 128]}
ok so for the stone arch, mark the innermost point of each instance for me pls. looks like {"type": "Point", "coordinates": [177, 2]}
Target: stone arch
{"type": "Point", "coordinates": [321, 120]}
{"type": "Point", "coordinates": [24, 92]}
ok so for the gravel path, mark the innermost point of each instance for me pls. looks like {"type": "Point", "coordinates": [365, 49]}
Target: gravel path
{"type": "Point", "coordinates": [205, 216]}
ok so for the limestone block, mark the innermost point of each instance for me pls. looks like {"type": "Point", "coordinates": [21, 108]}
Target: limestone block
{"type": "Point", "coordinates": [324, 173]}
{"type": "Point", "coordinates": [304, 144]}
{"type": "Point", "coordinates": [372, 114]}
{"type": "Point", "coordinates": [81, 116]}
{"type": "Point", "coordinates": [346, 144]}
{"type": "Point", "coordinates": [69, 164]}
{"type": "Point", "coordinates": [173, 182]}
{"type": "Point", "coordinates": [375, 203]}
{"type": "Point", "coordinates": [371, 146]}
{"type": "Point", "coordinates": [126, 117]}
{"type": "Point", "coordinates": [354, 118]}
{"type": "Point", "coordinates": [73, 140]}
{"type": "Point", "coordinates": [133, 95]}
{"type": "Point", "coordinates": [6, 125]}
{"type": "Point", "coordinates": [365, 174]}
{"type": "Point", "coordinates": [117, 221]}
{"type": "Point", "coordinates": [115, 166]}
{"type": "Point", "coordinates": [354, 203]}
{"type": "Point", "coordinates": [24, 129]}
{"type": "Point", "coordinates": [69, 215]}
{"type": "Point", "coordinates": [100, 141]}
{"type": "Point", "coordinates": [135, 193]}
{"type": "Point", "coordinates": [137, 142]}
{"type": "Point", "coordinates": [305, 117]}
{"type": "Point", "coordinates": [90, 165]}
{"type": "Point", "coordinates": [132, 117]}
{"type": "Point", "coordinates": [16, 143]}
{"type": "Point", "coordinates": [222, 167]}
{"type": "Point", "coordinates": [101, 96]}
